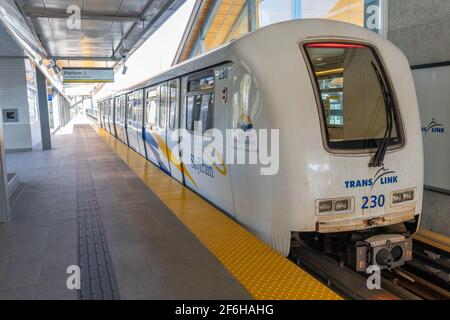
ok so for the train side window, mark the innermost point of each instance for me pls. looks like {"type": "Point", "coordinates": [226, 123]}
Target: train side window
{"type": "Point", "coordinates": [138, 102]}
{"type": "Point", "coordinates": [200, 102]}
{"type": "Point", "coordinates": [123, 103]}
{"type": "Point", "coordinates": [117, 100]}
{"type": "Point", "coordinates": [163, 106]}
{"type": "Point", "coordinates": [173, 103]}
{"type": "Point", "coordinates": [130, 107]}
{"type": "Point", "coordinates": [152, 102]}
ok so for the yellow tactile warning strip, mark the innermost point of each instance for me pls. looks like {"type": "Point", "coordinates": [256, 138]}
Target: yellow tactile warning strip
{"type": "Point", "coordinates": [262, 271]}
{"type": "Point", "coordinates": [433, 239]}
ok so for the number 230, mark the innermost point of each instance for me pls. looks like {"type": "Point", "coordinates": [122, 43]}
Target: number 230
{"type": "Point", "coordinates": [373, 202]}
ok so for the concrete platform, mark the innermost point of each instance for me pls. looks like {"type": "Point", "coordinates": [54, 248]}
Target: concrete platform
{"type": "Point", "coordinates": [151, 253]}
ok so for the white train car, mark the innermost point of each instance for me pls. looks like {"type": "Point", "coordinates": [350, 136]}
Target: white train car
{"type": "Point", "coordinates": [350, 169]}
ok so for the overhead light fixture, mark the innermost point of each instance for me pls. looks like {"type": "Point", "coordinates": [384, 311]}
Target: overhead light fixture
{"type": "Point", "coordinates": [57, 69]}
{"type": "Point", "coordinates": [329, 72]}
{"type": "Point", "coordinates": [125, 68]}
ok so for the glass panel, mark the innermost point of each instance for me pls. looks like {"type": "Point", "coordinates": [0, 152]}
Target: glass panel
{"type": "Point", "coordinates": [202, 84]}
{"type": "Point", "coordinates": [227, 20]}
{"type": "Point", "coordinates": [353, 103]}
{"type": "Point", "coordinates": [138, 106]}
{"type": "Point", "coordinates": [173, 104]}
{"type": "Point", "coordinates": [200, 109]}
{"type": "Point", "coordinates": [208, 105]}
{"type": "Point", "coordinates": [163, 106]}
{"type": "Point", "coordinates": [152, 103]}
{"type": "Point", "coordinates": [190, 118]}
{"type": "Point", "coordinates": [130, 107]}
{"type": "Point", "coordinates": [273, 11]}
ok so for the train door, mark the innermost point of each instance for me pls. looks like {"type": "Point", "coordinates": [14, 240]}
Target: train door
{"type": "Point", "coordinates": [151, 105]}
{"type": "Point", "coordinates": [120, 124]}
{"type": "Point", "coordinates": [113, 117]}
{"type": "Point", "coordinates": [156, 114]}
{"type": "Point", "coordinates": [132, 139]}
{"type": "Point", "coordinates": [124, 119]}
{"type": "Point", "coordinates": [106, 107]}
{"type": "Point", "coordinates": [138, 124]}
{"type": "Point", "coordinates": [110, 116]}
{"type": "Point", "coordinates": [173, 134]}
{"type": "Point", "coordinates": [117, 118]}
{"type": "Point", "coordinates": [103, 115]}
{"type": "Point", "coordinates": [205, 108]}
{"type": "Point", "coordinates": [100, 114]}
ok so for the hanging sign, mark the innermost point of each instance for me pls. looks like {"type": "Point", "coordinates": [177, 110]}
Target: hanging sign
{"type": "Point", "coordinates": [88, 75]}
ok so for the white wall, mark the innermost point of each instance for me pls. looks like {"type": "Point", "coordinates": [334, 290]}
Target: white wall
{"type": "Point", "coordinates": [22, 135]}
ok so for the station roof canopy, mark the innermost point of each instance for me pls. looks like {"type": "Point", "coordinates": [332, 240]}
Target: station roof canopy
{"type": "Point", "coordinates": [109, 31]}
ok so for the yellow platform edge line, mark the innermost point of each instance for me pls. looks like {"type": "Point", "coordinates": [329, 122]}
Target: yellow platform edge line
{"type": "Point", "coordinates": [263, 272]}
{"type": "Point", "coordinates": [433, 239]}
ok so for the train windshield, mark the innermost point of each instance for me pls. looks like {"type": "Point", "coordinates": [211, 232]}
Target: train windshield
{"type": "Point", "coordinates": [358, 109]}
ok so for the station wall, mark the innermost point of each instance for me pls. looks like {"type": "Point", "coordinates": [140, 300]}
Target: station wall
{"type": "Point", "coordinates": [421, 29]}
{"type": "Point", "coordinates": [16, 94]}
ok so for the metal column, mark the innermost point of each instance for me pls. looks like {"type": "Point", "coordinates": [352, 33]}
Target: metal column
{"type": "Point", "coordinates": [4, 199]}
{"type": "Point", "coordinates": [43, 111]}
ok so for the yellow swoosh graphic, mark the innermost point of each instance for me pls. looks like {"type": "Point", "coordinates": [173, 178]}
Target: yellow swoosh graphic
{"type": "Point", "coordinates": [172, 158]}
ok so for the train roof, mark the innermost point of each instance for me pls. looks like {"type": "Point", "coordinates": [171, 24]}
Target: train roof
{"type": "Point", "coordinates": [297, 29]}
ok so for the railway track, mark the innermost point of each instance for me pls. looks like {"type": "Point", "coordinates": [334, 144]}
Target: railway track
{"type": "Point", "coordinates": [427, 277]}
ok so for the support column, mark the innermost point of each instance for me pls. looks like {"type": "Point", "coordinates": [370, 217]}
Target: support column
{"type": "Point", "coordinates": [43, 111]}
{"type": "Point", "coordinates": [4, 198]}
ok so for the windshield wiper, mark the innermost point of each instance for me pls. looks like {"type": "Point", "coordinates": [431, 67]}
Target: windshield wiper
{"type": "Point", "coordinates": [378, 158]}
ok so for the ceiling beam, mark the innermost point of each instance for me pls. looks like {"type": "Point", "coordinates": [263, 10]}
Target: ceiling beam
{"type": "Point", "coordinates": [85, 15]}
{"type": "Point", "coordinates": [147, 27]}
{"type": "Point", "coordinates": [85, 58]}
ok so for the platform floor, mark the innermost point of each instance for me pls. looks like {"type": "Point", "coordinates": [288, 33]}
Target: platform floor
{"type": "Point", "coordinates": [81, 196]}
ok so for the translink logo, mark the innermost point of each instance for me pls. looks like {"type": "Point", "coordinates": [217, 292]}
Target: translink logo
{"type": "Point", "coordinates": [383, 176]}
{"type": "Point", "coordinates": [434, 127]}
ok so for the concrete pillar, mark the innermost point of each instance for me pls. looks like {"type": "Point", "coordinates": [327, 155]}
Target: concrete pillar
{"type": "Point", "coordinates": [43, 111]}
{"type": "Point", "coordinates": [4, 199]}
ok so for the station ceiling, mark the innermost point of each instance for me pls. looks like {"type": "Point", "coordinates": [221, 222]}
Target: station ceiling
{"type": "Point", "coordinates": [110, 29]}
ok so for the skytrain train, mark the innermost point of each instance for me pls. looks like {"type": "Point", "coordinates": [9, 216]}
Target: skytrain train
{"type": "Point", "coordinates": [349, 177]}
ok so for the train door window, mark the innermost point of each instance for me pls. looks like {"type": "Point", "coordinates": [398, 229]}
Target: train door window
{"type": "Point", "coordinates": [151, 105]}
{"type": "Point", "coordinates": [111, 103]}
{"type": "Point", "coordinates": [138, 103]}
{"type": "Point", "coordinates": [200, 102]}
{"type": "Point", "coordinates": [162, 115]}
{"type": "Point", "coordinates": [117, 109]}
{"type": "Point", "coordinates": [130, 107]}
{"type": "Point", "coordinates": [122, 108]}
{"type": "Point", "coordinates": [123, 103]}
{"type": "Point", "coordinates": [357, 101]}
{"type": "Point", "coordinates": [173, 103]}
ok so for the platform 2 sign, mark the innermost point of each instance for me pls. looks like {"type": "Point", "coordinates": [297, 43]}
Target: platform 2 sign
{"type": "Point", "coordinates": [372, 15]}
{"type": "Point", "coordinates": [88, 75]}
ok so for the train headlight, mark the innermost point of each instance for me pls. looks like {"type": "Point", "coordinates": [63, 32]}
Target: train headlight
{"type": "Point", "coordinates": [408, 196]}
{"type": "Point", "coordinates": [397, 198]}
{"type": "Point", "coordinates": [342, 205]}
{"type": "Point", "coordinates": [334, 206]}
{"type": "Point", "coordinates": [403, 196]}
{"type": "Point", "coordinates": [325, 206]}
